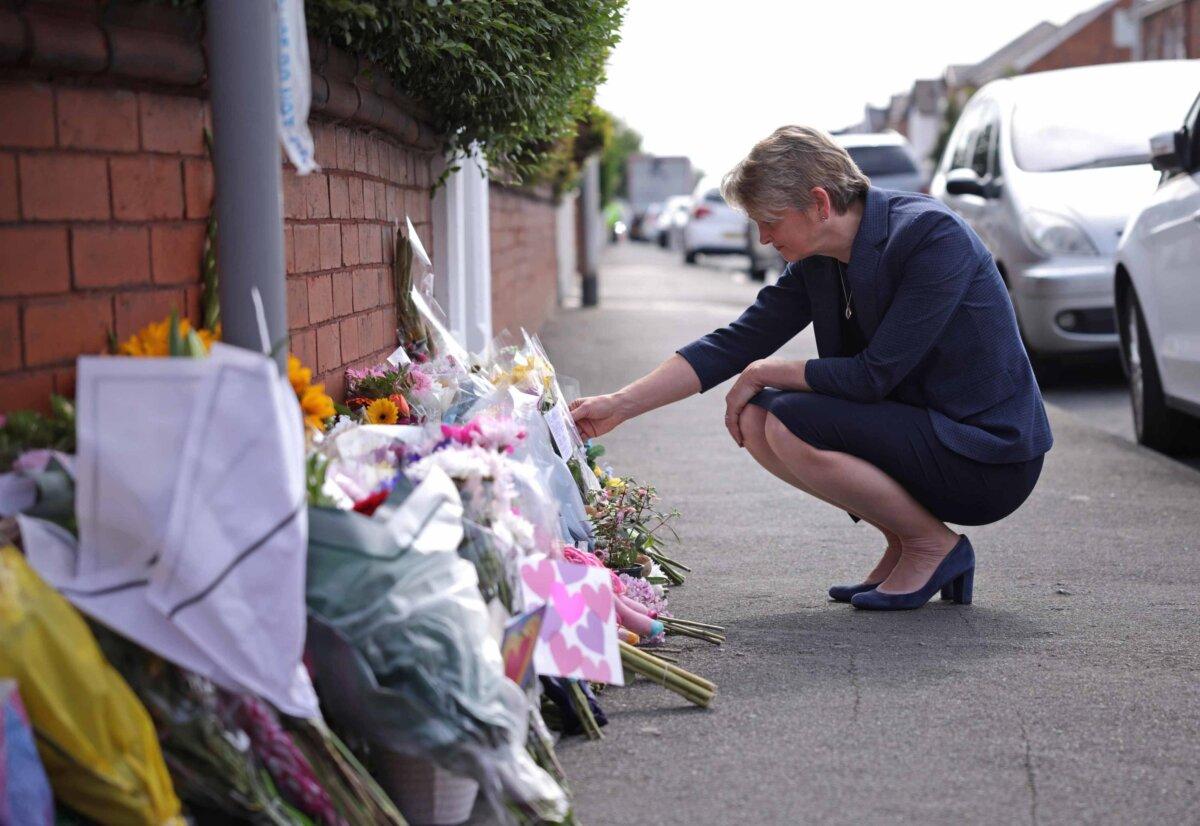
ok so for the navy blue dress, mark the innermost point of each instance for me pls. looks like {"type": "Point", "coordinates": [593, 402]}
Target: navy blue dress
{"type": "Point", "coordinates": [927, 380]}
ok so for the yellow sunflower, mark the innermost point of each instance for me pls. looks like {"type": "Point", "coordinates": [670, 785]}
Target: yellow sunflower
{"type": "Point", "coordinates": [207, 337]}
{"type": "Point", "coordinates": [317, 406]}
{"type": "Point", "coordinates": [150, 341]}
{"type": "Point", "coordinates": [299, 375]}
{"type": "Point", "coordinates": [382, 411]}
{"type": "Point", "coordinates": [153, 340]}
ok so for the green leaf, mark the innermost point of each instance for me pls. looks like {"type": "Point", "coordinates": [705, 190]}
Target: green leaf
{"type": "Point", "coordinates": [194, 347]}
{"type": "Point", "coordinates": [174, 340]}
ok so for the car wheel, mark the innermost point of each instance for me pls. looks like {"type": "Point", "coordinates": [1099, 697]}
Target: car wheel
{"type": "Point", "coordinates": [758, 273]}
{"type": "Point", "coordinates": [689, 257]}
{"type": "Point", "coordinates": [1155, 425]}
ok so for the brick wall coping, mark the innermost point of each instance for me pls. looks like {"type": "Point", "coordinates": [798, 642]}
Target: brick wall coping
{"type": "Point", "coordinates": [162, 46]}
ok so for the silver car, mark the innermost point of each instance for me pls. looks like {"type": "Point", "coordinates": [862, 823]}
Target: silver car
{"type": "Point", "coordinates": [1047, 169]}
{"type": "Point", "coordinates": [887, 159]}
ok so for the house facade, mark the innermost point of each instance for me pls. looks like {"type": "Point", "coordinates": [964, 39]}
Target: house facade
{"type": "Point", "coordinates": [1168, 30]}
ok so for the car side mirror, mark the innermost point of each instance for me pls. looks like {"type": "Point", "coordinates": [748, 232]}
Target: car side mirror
{"type": "Point", "coordinates": [964, 181]}
{"type": "Point", "coordinates": [1169, 151]}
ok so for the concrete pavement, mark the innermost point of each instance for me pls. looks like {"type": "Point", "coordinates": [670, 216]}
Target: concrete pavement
{"type": "Point", "coordinates": [1069, 692]}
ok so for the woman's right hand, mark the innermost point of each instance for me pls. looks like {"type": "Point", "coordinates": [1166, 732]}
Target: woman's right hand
{"type": "Point", "coordinates": [597, 415]}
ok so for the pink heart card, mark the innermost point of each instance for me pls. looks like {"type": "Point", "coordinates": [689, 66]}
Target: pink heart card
{"type": "Point", "coordinates": [578, 634]}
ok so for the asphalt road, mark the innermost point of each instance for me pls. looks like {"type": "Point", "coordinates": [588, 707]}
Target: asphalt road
{"type": "Point", "coordinates": [1068, 692]}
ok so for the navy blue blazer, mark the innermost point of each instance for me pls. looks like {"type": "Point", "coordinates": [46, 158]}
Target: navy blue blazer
{"type": "Point", "coordinates": [940, 329]}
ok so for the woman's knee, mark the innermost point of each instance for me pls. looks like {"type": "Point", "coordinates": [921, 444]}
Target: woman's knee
{"type": "Point", "coordinates": [752, 422]}
{"type": "Point", "coordinates": [780, 438]}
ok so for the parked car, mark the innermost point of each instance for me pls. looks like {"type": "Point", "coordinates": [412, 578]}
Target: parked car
{"type": "Point", "coordinates": [1046, 168]}
{"type": "Point", "coordinates": [764, 258]}
{"type": "Point", "coordinates": [674, 215]}
{"type": "Point", "coordinates": [1157, 289]}
{"type": "Point", "coordinates": [645, 225]}
{"type": "Point", "coordinates": [887, 159]}
{"type": "Point", "coordinates": [714, 227]}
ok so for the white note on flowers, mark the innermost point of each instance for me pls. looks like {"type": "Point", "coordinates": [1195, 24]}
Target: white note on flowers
{"type": "Point", "coordinates": [556, 418]}
{"type": "Point", "coordinates": [398, 358]}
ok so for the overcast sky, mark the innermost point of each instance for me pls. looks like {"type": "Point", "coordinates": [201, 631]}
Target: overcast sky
{"type": "Point", "coordinates": [707, 78]}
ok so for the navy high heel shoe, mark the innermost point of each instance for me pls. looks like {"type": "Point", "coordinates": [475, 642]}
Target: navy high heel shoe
{"type": "Point", "coordinates": [954, 577]}
{"type": "Point", "coordinates": [843, 593]}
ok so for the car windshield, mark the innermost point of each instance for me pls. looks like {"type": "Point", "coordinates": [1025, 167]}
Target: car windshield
{"type": "Point", "coordinates": [882, 160]}
{"type": "Point", "coordinates": [1076, 131]}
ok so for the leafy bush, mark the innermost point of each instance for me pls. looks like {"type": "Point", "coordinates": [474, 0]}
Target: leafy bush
{"type": "Point", "coordinates": [514, 75]}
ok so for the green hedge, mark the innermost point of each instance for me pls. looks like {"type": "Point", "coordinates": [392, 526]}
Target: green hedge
{"type": "Point", "coordinates": [514, 75]}
{"type": "Point", "coordinates": [517, 76]}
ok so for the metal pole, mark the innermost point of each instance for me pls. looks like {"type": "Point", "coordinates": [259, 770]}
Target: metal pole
{"type": "Point", "coordinates": [243, 75]}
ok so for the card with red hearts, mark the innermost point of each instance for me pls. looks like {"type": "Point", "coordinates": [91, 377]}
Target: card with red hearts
{"type": "Point", "coordinates": [578, 637]}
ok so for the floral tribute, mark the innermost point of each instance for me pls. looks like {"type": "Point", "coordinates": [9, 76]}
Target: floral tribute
{"type": "Point", "coordinates": [430, 486]}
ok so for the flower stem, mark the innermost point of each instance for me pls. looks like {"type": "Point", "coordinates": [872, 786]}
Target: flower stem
{"type": "Point", "coordinates": [664, 558]}
{"type": "Point", "coordinates": [694, 688]}
{"type": "Point", "coordinates": [694, 624]}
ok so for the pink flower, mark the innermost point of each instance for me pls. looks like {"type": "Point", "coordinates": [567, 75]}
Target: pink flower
{"type": "Point", "coordinates": [573, 554]}
{"type": "Point", "coordinates": [420, 381]}
{"type": "Point", "coordinates": [463, 434]}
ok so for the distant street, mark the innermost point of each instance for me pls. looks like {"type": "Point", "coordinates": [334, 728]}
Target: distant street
{"type": "Point", "coordinates": [1067, 693]}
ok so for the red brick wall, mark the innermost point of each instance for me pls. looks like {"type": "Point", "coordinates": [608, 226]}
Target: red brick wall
{"type": "Point", "coordinates": [105, 188]}
{"type": "Point", "coordinates": [339, 239]}
{"type": "Point", "coordinates": [524, 258]}
{"type": "Point", "coordinates": [103, 195]}
{"type": "Point", "coordinates": [1193, 29]}
{"type": "Point", "coordinates": [103, 206]}
{"type": "Point", "coordinates": [1091, 45]}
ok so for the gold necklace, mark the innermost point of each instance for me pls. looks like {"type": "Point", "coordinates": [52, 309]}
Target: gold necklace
{"type": "Point", "coordinates": [845, 295]}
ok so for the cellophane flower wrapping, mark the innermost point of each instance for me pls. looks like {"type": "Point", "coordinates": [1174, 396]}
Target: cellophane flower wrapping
{"type": "Point", "coordinates": [402, 646]}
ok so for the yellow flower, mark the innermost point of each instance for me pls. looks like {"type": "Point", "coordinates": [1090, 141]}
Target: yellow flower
{"type": "Point", "coordinates": [615, 483]}
{"type": "Point", "coordinates": [207, 337]}
{"type": "Point", "coordinates": [316, 406]}
{"type": "Point", "coordinates": [153, 340]}
{"type": "Point", "coordinates": [150, 341]}
{"type": "Point", "coordinates": [599, 473]}
{"type": "Point", "coordinates": [382, 411]}
{"type": "Point", "coordinates": [299, 375]}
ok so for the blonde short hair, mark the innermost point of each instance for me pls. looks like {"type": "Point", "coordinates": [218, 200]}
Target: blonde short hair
{"type": "Point", "coordinates": [781, 170]}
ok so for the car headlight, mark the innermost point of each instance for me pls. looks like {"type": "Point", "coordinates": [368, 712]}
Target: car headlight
{"type": "Point", "coordinates": [1056, 234]}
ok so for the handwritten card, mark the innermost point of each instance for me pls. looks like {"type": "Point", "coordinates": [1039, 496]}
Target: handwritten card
{"type": "Point", "coordinates": [579, 630]}
{"type": "Point", "coordinates": [557, 418]}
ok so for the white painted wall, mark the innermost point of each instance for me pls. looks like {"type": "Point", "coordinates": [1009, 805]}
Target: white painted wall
{"type": "Point", "coordinates": [477, 319]}
{"type": "Point", "coordinates": [564, 243]}
{"type": "Point", "coordinates": [462, 258]}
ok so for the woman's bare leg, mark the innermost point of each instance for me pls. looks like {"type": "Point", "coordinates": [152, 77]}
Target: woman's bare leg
{"type": "Point", "coordinates": [753, 426]}
{"type": "Point", "coordinates": [863, 489]}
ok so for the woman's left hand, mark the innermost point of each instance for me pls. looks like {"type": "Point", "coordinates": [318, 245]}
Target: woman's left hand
{"type": "Point", "coordinates": [759, 374]}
